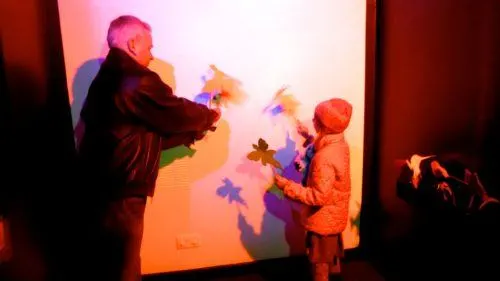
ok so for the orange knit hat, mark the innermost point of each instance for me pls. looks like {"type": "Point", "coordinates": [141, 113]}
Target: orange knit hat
{"type": "Point", "coordinates": [334, 115]}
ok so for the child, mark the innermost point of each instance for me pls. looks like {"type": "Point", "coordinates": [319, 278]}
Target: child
{"type": "Point", "coordinates": [327, 188]}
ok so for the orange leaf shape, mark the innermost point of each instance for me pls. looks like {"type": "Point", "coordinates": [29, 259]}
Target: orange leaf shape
{"type": "Point", "coordinates": [289, 104]}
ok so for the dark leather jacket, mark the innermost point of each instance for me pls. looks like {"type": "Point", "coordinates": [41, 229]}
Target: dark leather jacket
{"type": "Point", "coordinates": [130, 115]}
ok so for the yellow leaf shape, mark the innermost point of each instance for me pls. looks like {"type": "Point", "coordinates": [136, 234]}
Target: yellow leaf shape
{"type": "Point", "coordinates": [289, 104]}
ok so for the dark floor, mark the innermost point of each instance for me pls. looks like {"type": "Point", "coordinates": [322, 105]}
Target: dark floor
{"type": "Point", "coordinates": [295, 268]}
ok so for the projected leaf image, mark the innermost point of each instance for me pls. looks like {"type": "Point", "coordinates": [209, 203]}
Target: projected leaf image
{"type": "Point", "coordinates": [170, 155]}
{"type": "Point", "coordinates": [288, 105]}
{"type": "Point", "coordinates": [282, 103]}
{"type": "Point", "coordinates": [223, 99]}
{"type": "Point", "coordinates": [221, 89]}
{"type": "Point", "coordinates": [203, 98]}
{"type": "Point", "coordinates": [231, 192]}
{"type": "Point", "coordinates": [263, 154]}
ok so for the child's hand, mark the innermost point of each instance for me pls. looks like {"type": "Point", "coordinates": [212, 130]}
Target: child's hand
{"type": "Point", "coordinates": [280, 181]}
{"type": "Point", "coordinates": [302, 129]}
{"type": "Point", "coordinates": [299, 163]}
{"type": "Point", "coordinates": [299, 166]}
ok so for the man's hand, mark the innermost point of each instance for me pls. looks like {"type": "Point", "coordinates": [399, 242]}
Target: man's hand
{"type": "Point", "coordinates": [217, 113]}
{"type": "Point", "coordinates": [200, 135]}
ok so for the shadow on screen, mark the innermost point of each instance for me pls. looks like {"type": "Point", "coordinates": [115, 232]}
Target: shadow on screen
{"type": "Point", "coordinates": [81, 84]}
{"type": "Point", "coordinates": [260, 245]}
{"type": "Point", "coordinates": [86, 74]}
{"type": "Point", "coordinates": [231, 192]}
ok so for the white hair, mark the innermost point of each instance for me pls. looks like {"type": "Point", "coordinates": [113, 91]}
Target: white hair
{"type": "Point", "coordinates": [124, 28]}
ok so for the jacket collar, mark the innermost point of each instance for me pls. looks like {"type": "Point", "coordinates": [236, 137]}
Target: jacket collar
{"type": "Point", "coordinates": [118, 58]}
{"type": "Point", "coordinates": [326, 140]}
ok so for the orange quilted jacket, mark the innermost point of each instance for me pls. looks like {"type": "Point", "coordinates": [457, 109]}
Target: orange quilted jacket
{"type": "Point", "coordinates": [326, 197]}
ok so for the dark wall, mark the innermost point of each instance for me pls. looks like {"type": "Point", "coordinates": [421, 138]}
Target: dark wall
{"type": "Point", "coordinates": [39, 148]}
{"type": "Point", "coordinates": [437, 92]}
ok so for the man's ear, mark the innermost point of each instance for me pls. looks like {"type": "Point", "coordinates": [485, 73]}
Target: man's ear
{"type": "Point", "coordinates": [132, 46]}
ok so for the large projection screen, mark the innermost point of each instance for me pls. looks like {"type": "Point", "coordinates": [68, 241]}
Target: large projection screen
{"type": "Point", "coordinates": [211, 207]}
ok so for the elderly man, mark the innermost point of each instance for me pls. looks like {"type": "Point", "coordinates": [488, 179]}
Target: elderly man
{"type": "Point", "coordinates": [129, 116]}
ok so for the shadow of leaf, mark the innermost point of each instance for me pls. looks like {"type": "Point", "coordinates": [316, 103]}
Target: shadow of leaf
{"type": "Point", "coordinates": [231, 192]}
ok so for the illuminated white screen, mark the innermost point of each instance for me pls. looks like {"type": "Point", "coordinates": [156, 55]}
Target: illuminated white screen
{"type": "Point", "coordinates": [315, 47]}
